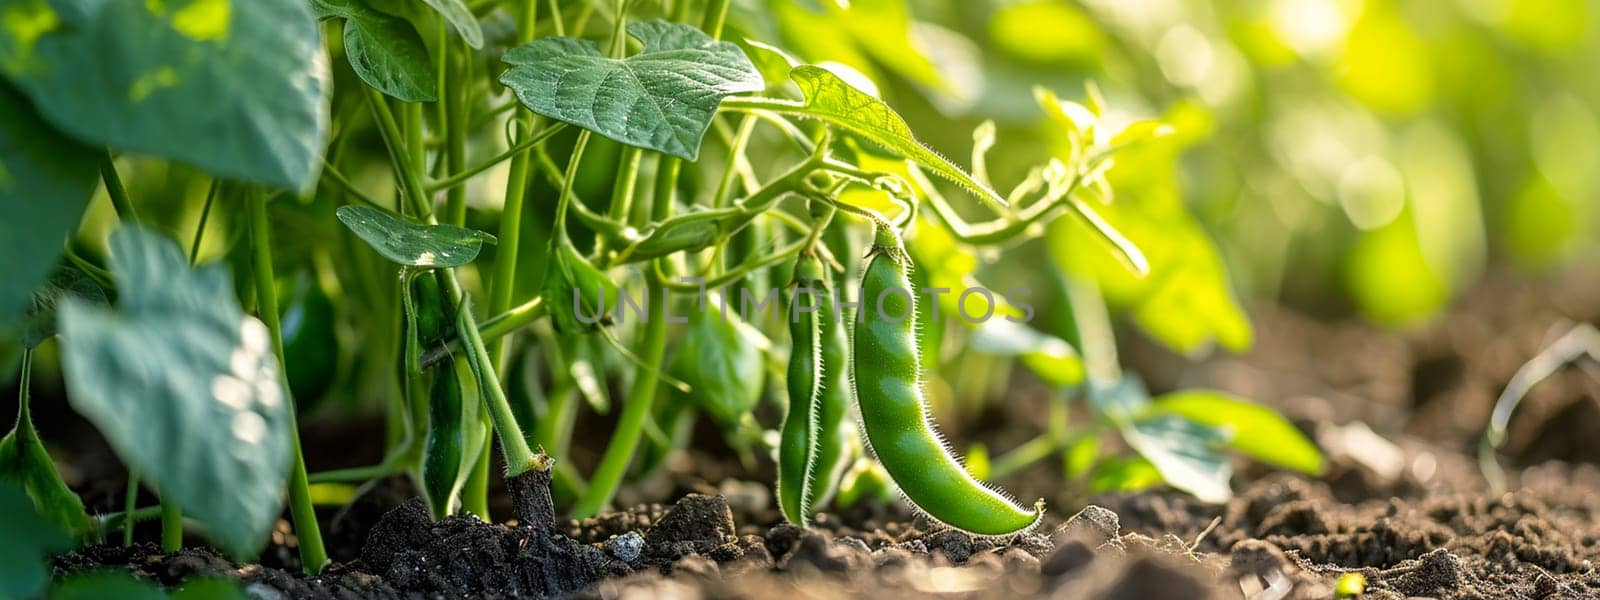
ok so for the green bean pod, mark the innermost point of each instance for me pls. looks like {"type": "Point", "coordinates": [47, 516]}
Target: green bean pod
{"type": "Point", "coordinates": [446, 443]}
{"type": "Point", "coordinates": [888, 385]}
{"type": "Point", "coordinates": [798, 449]}
{"type": "Point", "coordinates": [833, 435]}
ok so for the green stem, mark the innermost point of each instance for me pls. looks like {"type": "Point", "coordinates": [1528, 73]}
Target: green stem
{"type": "Point", "coordinates": [596, 222]}
{"type": "Point", "coordinates": [504, 282]}
{"type": "Point", "coordinates": [635, 409]}
{"type": "Point", "coordinates": [126, 519]}
{"type": "Point", "coordinates": [475, 490]}
{"type": "Point", "coordinates": [512, 154]}
{"type": "Point", "coordinates": [171, 525]}
{"type": "Point", "coordinates": [115, 189]}
{"type": "Point", "coordinates": [313, 556]}
{"type": "Point", "coordinates": [492, 328]}
{"type": "Point", "coordinates": [716, 16]}
{"type": "Point", "coordinates": [355, 474]}
{"type": "Point", "coordinates": [1097, 342]}
{"type": "Point", "coordinates": [519, 457]}
{"type": "Point", "coordinates": [205, 215]}
{"type": "Point", "coordinates": [351, 189]}
{"type": "Point", "coordinates": [129, 501]}
{"type": "Point", "coordinates": [1030, 452]}
{"type": "Point", "coordinates": [410, 176]}
{"type": "Point", "coordinates": [641, 395]}
{"type": "Point", "coordinates": [459, 72]}
{"type": "Point", "coordinates": [622, 189]}
{"type": "Point", "coordinates": [571, 175]}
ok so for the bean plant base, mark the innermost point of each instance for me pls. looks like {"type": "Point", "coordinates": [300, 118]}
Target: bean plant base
{"type": "Point", "coordinates": [716, 549]}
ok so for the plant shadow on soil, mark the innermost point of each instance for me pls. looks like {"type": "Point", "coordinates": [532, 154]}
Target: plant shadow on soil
{"type": "Point", "coordinates": [1416, 518]}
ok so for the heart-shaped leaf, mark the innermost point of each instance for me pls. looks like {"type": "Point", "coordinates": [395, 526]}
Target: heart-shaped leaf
{"type": "Point", "coordinates": [831, 99]}
{"type": "Point", "coordinates": [184, 386]}
{"type": "Point", "coordinates": [460, 17]}
{"type": "Point", "coordinates": [384, 50]}
{"type": "Point", "coordinates": [46, 181]}
{"type": "Point", "coordinates": [407, 243]}
{"type": "Point", "coordinates": [235, 87]}
{"type": "Point", "coordinates": [30, 540]}
{"type": "Point", "coordinates": [662, 98]}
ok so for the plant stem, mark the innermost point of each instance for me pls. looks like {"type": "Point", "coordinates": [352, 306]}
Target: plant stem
{"type": "Point", "coordinates": [171, 525]}
{"type": "Point", "coordinates": [115, 189]}
{"type": "Point", "coordinates": [716, 16]}
{"type": "Point", "coordinates": [312, 554]}
{"type": "Point", "coordinates": [1097, 342]}
{"type": "Point", "coordinates": [205, 215]}
{"type": "Point", "coordinates": [504, 282]}
{"type": "Point", "coordinates": [1030, 452]}
{"type": "Point", "coordinates": [492, 328]}
{"type": "Point", "coordinates": [129, 501]}
{"type": "Point", "coordinates": [622, 189]}
{"type": "Point", "coordinates": [459, 73]}
{"type": "Point", "coordinates": [475, 490]}
{"type": "Point", "coordinates": [565, 200]}
{"type": "Point", "coordinates": [641, 395]}
{"type": "Point", "coordinates": [519, 457]}
{"type": "Point", "coordinates": [126, 519]}
{"type": "Point", "coordinates": [636, 408]}
{"type": "Point", "coordinates": [520, 149]}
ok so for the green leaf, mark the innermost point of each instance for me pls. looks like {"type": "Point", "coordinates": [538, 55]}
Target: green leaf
{"type": "Point", "coordinates": [67, 281]}
{"type": "Point", "coordinates": [30, 540]}
{"type": "Point", "coordinates": [721, 360]}
{"type": "Point", "coordinates": [578, 294]}
{"type": "Point", "coordinates": [1184, 301]}
{"type": "Point", "coordinates": [1124, 474]}
{"type": "Point", "coordinates": [385, 50]}
{"type": "Point", "coordinates": [185, 388]}
{"type": "Point", "coordinates": [1050, 357]}
{"type": "Point", "coordinates": [1254, 430]}
{"type": "Point", "coordinates": [830, 99]}
{"type": "Point", "coordinates": [234, 87]}
{"type": "Point", "coordinates": [46, 181]}
{"type": "Point", "coordinates": [1185, 453]}
{"type": "Point", "coordinates": [662, 98]}
{"type": "Point", "coordinates": [460, 18]}
{"type": "Point", "coordinates": [407, 243]}
{"type": "Point", "coordinates": [25, 462]}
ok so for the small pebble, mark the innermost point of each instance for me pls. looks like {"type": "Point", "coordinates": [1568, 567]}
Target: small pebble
{"type": "Point", "coordinates": [626, 547]}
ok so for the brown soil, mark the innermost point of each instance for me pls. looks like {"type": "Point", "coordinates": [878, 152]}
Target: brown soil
{"type": "Point", "coordinates": [1406, 507]}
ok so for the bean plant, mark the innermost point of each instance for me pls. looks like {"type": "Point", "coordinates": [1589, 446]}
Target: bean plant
{"type": "Point", "coordinates": [653, 180]}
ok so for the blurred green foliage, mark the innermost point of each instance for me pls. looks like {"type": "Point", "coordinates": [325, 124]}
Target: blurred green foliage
{"type": "Point", "coordinates": [1373, 155]}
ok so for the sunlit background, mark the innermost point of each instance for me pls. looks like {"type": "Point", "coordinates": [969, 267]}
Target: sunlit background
{"type": "Point", "coordinates": [1345, 156]}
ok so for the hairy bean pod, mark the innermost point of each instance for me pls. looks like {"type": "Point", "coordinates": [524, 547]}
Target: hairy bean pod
{"type": "Point", "coordinates": [888, 385]}
{"type": "Point", "coordinates": [833, 435]}
{"type": "Point", "coordinates": [798, 449]}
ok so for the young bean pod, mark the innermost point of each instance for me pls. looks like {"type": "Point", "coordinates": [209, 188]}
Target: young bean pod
{"type": "Point", "coordinates": [833, 436]}
{"type": "Point", "coordinates": [800, 469]}
{"type": "Point", "coordinates": [888, 385]}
